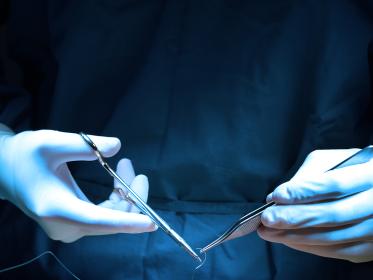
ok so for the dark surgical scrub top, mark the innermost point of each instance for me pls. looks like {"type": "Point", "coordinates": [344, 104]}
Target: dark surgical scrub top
{"type": "Point", "coordinates": [217, 102]}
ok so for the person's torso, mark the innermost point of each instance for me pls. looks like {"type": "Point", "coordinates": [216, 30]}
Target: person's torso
{"type": "Point", "coordinates": [216, 102]}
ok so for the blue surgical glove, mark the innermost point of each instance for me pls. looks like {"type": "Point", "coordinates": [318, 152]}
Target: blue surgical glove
{"type": "Point", "coordinates": [326, 214]}
{"type": "Point", "coordinates": [34, 176]}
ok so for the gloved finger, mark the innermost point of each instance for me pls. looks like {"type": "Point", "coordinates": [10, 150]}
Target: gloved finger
{"type": "Point", "coordinates": [362, 231]}
{"type": "Point", "coordinates": [354, 252]}
{"type": "Point", "coordinates": [326, 214]}
{"type": "Point", "coordinates": [140, 185]}
{"type": "Point", "coordinates": [125, 171]}
{"type": "Point", "coordinates": [93, 219]}
{"type": "Point", "coordinates": [330, 185]}
{"type": "Point", "coordinates": [116, 200]}
{"type": "Point", "coordinates": [64, 147]}
{"type": "Point", "coordinates": [320, 161]}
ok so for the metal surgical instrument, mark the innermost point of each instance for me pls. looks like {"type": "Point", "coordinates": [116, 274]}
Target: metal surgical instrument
{"type": "Point", "coordinates": [251, 221]}
{"type": "Point", "coordinates": [134, 198]}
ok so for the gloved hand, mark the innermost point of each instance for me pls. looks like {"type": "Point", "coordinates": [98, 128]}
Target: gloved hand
{"type": "Point", "coordinates": [326, 214]}
{"type": "Point", "coordinates": [34, 176]}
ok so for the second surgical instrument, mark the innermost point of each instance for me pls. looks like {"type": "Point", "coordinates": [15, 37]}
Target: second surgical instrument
{"type": "Point", "coordinates": [135, 199]}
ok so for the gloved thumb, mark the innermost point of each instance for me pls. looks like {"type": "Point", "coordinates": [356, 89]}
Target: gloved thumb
{"type": "Point", "coordinates": [64, 147]}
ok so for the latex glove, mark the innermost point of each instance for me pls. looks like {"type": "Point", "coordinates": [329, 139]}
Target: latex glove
{"type": "Point", "coordinates": [34, 176]}
{"type": "Point", "coordinates": [326, 214]}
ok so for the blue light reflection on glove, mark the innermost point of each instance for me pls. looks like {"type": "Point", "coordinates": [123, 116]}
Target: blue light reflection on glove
{"type": "Point", "coordinates": [327, 214]}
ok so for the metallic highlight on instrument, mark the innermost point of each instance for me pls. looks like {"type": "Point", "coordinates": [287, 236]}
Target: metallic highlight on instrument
{"type": "Point", "coordinates": [245, 225]}
{"type": "Point", "coordinates": [134, 198]}
{"type": "Point", "coordinates": [251, 221]}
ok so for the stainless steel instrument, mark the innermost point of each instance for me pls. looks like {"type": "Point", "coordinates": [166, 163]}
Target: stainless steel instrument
{"type": "Point", "coordinates": [135, 199]}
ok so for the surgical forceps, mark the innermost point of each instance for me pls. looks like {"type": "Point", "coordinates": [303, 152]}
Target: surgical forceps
{"type": "Point", "coordinates": [134, 198]}
{"type": "Point", "coordinates": [251, 221]}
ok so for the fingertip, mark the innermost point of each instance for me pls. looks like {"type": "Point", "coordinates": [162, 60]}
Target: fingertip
{"type": "Point", "coordinates": [268, 234]}
{"type": "Point", "coordinates": [143, 224]}
{"type": "Point", "coordinates": [267, 218]}
{"type": "Point", "coordinates": [124, 162]}
{"type": "Point", "coordinates": [281, 195]}
{"type": "Point", "coordinates": [125, 171]}
{"type": "Point", "coordinates": [147, 224]}
{"type": "Point", "coordinates": [114, 141]}
{"type": "Point", "coordinates": [153, 227]}
{"type": "Point", "coordinates": [110, 146]}
{"type": "Point", "coordinates": [140, 183]}
{"type": "Point", "coordinates": [277, 197]}
{"type": "Point", "coordinates": [143, 178]}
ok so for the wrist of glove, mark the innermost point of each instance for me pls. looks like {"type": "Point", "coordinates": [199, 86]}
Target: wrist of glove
{"type": "Point", "coordinates": [34, 176]}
